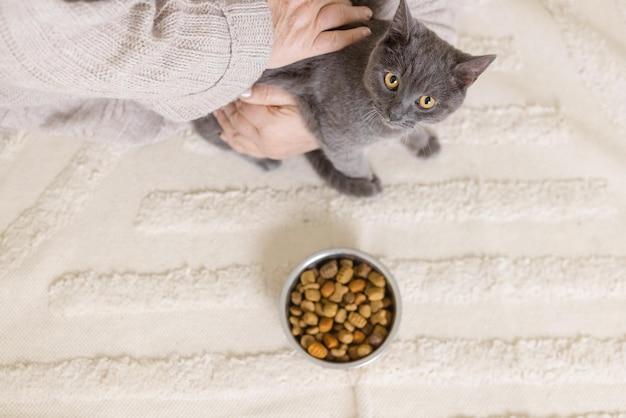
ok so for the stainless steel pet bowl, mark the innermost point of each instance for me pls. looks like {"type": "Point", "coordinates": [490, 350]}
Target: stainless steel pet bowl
{"type": "Point", "coordinates": [319, 259]}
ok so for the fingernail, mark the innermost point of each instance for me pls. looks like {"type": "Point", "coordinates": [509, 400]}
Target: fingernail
{"type": "Point", "coordinates": [366, 31]}
{"type": "Point", "coordinates": [368, 13]}
{"type": "Point", "coordinates": [246, 94]}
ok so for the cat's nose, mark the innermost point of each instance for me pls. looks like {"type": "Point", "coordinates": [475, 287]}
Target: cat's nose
{"type": "Point", "coordinates": [395, 114]}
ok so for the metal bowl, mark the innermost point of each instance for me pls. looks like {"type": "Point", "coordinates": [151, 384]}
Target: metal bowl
{"type": "Point", "coordinates": [318, 259]}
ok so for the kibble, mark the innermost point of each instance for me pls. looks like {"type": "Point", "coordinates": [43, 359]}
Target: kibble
{"type": "Point", "coordinates": [349, 326]}
{"type": "Point", "coordinates": [313, 295]}
{"type": "Point", "coordinates": [328, 289]}
{"type": "Point", "coordinates": [296, 298]}
{"type": "Point", "coordinates": [351, 307]}
{"type": "Point", "coordinates": [373, 293]}
{"type": "Point", "coordinates": [344, 275]}
{"type": "Point", "coordinates": [319, 309]}
{"type": "Point", "coordinates": [310, 318]}
{"type": "Point", "coordinates": [308, 306]}
{"type": "Point", "coordinates": [359, 298]}
{"type": "Point", "coordinates": [357, 285]}
{"type": "Point", "coordinates": [317, 350]}
{"type": "Point", "coordinates": [345, 336]}
{"type": "Point", "coordinates": [363, 350]}
{"type": "Point", "coordinates": [381, 317]}
{"type": "Point", "coordinates": [346, 262]}
{"type": "Point", "coordinates": [331, 342]}
{"type": "Point", "coordinates": [357, 320]}
{"type": "Point", "coordinates": [307, 277]}
{"type": "Point", "coordinates": [375, 339]}
{"type": "Point", "coordinates": [296, 311]}
{"type": "Point", "coordinates": [376, 305]}
{"type": "Point", "coordinates": [359, 337]}
{"type": "Point", "coordinates": [329, 270]}
{"type": "Point", "coordinates": [349, 298]}
{"type": "Point", "coordinates": [330, 310]}
{"type": "Point", "coordinates": [376, 279]}
{"type": "Point", "coordinates": [377, 336]}
{"type": "Point", "coordinates": [340, 310]}
{"type": "Point", "coordinates": [326, 324]}
{"type": "Point", "coordinates": [306, 341]}
{"type": "Point", "coordinates": [362, 270]}
{"type": "Point", "coordinates": [338, 352]}
{"type": "Point", "coordinates": [341, 316]}
{"type": "Point", "coordinates": [313, 331]}
{"type": "Point", "coordinates": [315, 286]}
{"type": "Point", "coordinates": [353, 353]}
{"type": "Point", "coordinates": [340, 291]}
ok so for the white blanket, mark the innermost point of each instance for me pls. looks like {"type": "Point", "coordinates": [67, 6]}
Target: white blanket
{"type": "Point", "coordinates": [144, 281]}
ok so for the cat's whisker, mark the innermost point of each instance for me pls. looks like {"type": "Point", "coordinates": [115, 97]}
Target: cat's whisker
{"type": "Point", "coordinates": [405, 139]}
{"type": "Point", "coordinates": [370, 116]}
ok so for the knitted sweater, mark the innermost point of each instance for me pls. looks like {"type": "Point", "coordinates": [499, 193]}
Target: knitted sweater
{"type": "Point", "coordinates": [130, 71]}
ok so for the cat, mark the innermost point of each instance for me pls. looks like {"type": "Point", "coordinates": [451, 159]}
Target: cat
{"type": "Point", "coordinates": [380, 88]}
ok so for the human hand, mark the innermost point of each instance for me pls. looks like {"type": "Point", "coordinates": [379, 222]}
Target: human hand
{"type": "Point", "coordinates": [265, 124]}
{"type": "Point", "coordinates": [302, 28]}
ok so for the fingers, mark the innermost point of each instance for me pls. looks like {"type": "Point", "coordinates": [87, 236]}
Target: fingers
{"type": "Point", "coordinates": [331, 41]}
{"type": "Point", "coordinates": [268, 96]}
{"type": "Point", "coordinates": [262, 117]}
{"type": "Point", "coordinates": [336, 15]}
{"type": "Point", "coordinates": [237, 131]}
{"type": "Point", "coordinates": [299, 23]}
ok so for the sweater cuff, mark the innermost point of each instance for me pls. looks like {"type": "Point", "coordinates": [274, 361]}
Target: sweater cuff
{"type": "Point", "coordinates": [251, 31]}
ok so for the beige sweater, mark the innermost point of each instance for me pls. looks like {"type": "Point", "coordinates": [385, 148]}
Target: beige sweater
{"type": "Point", "coordinates": [131, 71]}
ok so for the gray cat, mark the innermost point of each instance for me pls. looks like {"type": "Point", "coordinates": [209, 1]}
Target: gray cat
{"type": "Point", "coordinates": [380, 88]}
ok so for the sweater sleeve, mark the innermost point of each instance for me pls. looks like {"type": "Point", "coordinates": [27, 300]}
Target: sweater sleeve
{"type": "Point", "coordinates": [180, 58]}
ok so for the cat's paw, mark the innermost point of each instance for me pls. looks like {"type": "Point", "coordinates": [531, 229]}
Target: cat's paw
{"type": "Point", "coordinates": [352, 186]}
{"type": "Point", "coordinates": [358, 187]}
{"type": "Point", "coordinates": [431, 149]}
{"type": "Point", "coordinates": [267, 164]}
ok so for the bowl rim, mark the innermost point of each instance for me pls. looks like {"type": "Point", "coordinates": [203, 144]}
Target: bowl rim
{"type": "Point", "coordinates": [285, 300]}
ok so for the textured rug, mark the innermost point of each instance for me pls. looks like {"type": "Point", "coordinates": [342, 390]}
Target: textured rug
{"type": "Point", "coordinates": [145, 281]}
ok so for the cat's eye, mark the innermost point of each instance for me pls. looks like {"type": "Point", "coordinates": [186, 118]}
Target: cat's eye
{"type": "Point", "coordinates": [392, 81]}
{"type": "Point", "coordinates": [427, 102]}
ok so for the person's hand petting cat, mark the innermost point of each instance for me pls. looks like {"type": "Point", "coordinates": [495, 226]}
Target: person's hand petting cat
{"type": "Point", "coordinates": [268, 123]}
{"type": "Point", "coordinates": [265, 123]}
{"type": "Point", "coordinates": [303, 28]}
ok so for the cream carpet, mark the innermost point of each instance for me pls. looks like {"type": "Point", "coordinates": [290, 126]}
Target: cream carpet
{"type": "Point", "coordinates": [144, 282]}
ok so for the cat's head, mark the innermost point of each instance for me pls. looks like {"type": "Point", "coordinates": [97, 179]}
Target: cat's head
{"type": "Point", "coordinates": [415, 76]}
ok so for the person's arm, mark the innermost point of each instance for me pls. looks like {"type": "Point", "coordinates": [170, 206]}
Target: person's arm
{"type": "Point", "coordinates": [181, 59]}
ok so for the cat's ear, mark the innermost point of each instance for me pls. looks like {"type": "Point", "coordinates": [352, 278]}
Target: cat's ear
{"type": "Point", "coordinates": [399, 28]}
{"type": "Point", "coordinates": [468, 71]}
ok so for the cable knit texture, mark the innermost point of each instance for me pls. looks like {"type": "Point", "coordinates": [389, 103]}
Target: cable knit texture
{"type": "Point", "coordinates": [129, 71]}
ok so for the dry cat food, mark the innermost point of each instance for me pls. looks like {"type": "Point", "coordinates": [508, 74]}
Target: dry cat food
{"type": "Point", "coordinates": [340, 311]}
